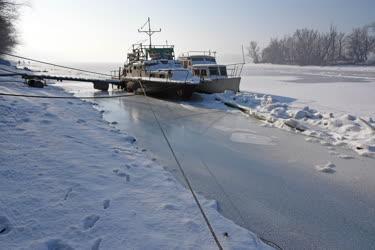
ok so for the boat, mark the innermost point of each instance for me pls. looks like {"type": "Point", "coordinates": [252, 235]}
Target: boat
{"type": "Point", "coordinates": [154, 70]}
{"type": "Point", "coordinates": [214, 77]}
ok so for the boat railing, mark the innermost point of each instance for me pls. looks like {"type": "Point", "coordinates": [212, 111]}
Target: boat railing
{"type": "Point", "coordinates": [199, 53]}
{"type": "Point", "coordinates": [235, 69]}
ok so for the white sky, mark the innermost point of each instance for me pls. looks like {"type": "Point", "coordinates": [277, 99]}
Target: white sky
{"type": "Point", "coordinates": [102, 31]}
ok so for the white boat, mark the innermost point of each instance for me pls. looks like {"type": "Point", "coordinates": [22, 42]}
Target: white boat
{"type": "Point", "coordinates": [153, 69]}
{"type": "Point", "coordinates": [214, 77]}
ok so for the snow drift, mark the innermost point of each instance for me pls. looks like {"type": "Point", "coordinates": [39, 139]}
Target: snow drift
{"type": "Point", "coordinates": [357, 133]}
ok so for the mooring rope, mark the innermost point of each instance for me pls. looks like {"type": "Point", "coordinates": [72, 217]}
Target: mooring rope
{"type": "Point", "coordinates": [183, 173]}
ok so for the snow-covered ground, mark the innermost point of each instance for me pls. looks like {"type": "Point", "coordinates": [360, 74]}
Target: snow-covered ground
{"type": "Point", "coordinates": [68, 180]}
{"type": "Point", "coordinates": [334, 106]}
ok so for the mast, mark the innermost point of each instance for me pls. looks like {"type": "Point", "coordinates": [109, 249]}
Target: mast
{"type": "Point", "coordinates": [149, 32]}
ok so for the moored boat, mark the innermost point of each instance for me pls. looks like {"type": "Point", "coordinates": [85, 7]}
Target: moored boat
{"type": "Point", "coordinates": [154, 70]}
{"type": "Point", "coordinates": [214, 77]}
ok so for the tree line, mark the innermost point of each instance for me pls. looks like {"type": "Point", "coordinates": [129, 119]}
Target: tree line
{"type": "Point", "coordinates": [8, 15]}
{"type": "Point", "coordinates": [311, 47]}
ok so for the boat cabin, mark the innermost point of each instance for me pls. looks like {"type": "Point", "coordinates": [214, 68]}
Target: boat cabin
{"type": "Point", "coordinates": [189, 59]}
{"type": "Point", "coordinates": [212, 71]}
{"type": "Point", "coordinates": [151, 61]}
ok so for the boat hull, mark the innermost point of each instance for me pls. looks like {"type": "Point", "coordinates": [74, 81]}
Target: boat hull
{"type": "Point", "coordinates": [220, 85]}
{"type": "Point", "coordinates": [162, 89]}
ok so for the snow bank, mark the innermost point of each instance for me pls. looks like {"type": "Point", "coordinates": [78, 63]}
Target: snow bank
{"type": "Point", "coordinates": [70, 181]}
{"type": "Point", "coordinates": [357, 133]}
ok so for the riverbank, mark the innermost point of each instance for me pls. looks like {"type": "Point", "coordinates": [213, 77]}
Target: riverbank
{"type": "Point", "coordinates": [68, 180]}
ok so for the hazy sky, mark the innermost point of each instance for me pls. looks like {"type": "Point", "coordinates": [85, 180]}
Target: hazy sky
{"type": "Point", "coordinates": [102, 31]}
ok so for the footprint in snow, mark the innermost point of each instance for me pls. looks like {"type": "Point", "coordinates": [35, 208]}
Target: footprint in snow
{"type": "Point", "coordinates": [45, 122]}
{"type": "Point", "coordinates": [56, 244]}
{"type": "Point", "coordinates": [122, 174]}
{"type": "Point", "coordinates": [169, 207]}
{"type": "Point", "coordinates": [69, 136]}
{"type": "Point", "coordinates": [192, 226]}
{"type": "Point", "coordinates": [106, 204]}
{"type": "Point", "coordinates": [48, 114]}
{"type": "Point", "coordinates": [96, 244]}
{"type": "Point", "coordinates": [90, 221]}
{"type": "Point", "coordinates": [5, 226]}
{"type": "Point", "coordinates": [130, 139]}
{"type": "Point", "coordinates": [81, 121]}
{"type": "Point", "coordinates": [67, 194]}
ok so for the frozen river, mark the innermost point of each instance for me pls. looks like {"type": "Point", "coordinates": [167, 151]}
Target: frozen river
{"type": "Point", "coordinates": [264, 178]}
{"type": "Point", "coordinates": [332, 89]}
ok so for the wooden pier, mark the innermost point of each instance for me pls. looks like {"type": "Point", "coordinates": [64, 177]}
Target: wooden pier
{"type": "Point", "coordinates": [100, 84]}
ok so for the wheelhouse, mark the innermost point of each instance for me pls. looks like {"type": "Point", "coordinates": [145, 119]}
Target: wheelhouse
{"type": "Point", "coordinates": [210, 71]}
{"type": "Point", "coordinates": [197, 57]}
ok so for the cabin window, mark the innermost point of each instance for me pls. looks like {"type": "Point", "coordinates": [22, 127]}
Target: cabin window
{"type": "Point", "coordinates": [197, 59]}
{"type": "Point", "coordinates": [185, 64]}
{"type": "Point", "coordinates": [203, 72]}
{"type": "Point", "coordinates": [223, 71]}
{"type": "Point", "coordinates": [208, 59]}
{"type": "Point", "coordinates": [196, 72]}
{"type": "Point", "coordinates": [214, 71]}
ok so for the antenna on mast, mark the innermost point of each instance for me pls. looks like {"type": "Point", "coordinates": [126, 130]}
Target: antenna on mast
{"type": "Point", "coordinates": [243, 55]}
{"type": "Point", "coordinates": [149, 32]}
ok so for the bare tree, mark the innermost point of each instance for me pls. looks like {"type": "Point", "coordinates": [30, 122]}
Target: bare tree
{"type": "Point", "coordinates": [310, 47]}
{"type": "Point", "coordinates": [332, 47]}
{"type": "Point", "coordinates": [273, 53]}
{"type": "Point", "coordinates": [359, 45]}
{"type": "Point", "coordinates": [340, 46]}
{"type": "Point", "coordinates": [8, 14]}
{"type": "Point", "coordinates": [254, 51]}
{"type": "Point", "coordinates": [305, 42]}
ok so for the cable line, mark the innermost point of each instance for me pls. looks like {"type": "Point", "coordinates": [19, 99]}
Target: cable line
{"type": "Point", "coordinates": [183, 173]}
{"type": "Point", "coordinates": [55, 65]}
